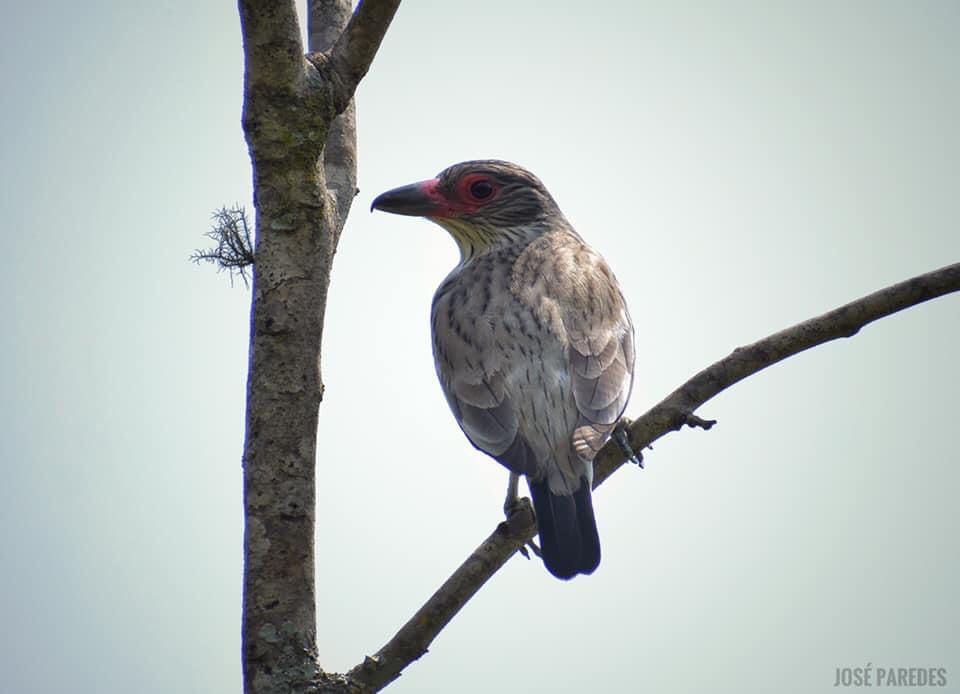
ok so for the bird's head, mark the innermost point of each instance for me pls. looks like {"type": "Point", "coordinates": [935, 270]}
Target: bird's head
{"type": "Point", "coordinates": [481, 203]}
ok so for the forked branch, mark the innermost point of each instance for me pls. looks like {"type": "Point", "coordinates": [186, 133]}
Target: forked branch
{"type": "Point", "coordinates": [351, 55]}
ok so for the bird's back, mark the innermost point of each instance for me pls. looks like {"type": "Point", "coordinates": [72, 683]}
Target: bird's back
{"type": "Point", "coordinates": [507, 327]}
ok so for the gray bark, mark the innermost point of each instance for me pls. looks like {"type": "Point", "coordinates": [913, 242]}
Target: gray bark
{"type": "Point", "coordinates": [290, 112]}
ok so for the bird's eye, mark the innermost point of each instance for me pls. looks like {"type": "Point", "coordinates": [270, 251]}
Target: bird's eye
{"type": "Point", "coordinates": [481, 190]}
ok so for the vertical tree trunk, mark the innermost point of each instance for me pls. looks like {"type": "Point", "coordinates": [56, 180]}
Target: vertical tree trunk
{"type": "Point", "coordinates": [284, 390]}
{"type": "Point", "coordinates": [299, 123]}
{"type": "Point", "coordinates": [286, 121]}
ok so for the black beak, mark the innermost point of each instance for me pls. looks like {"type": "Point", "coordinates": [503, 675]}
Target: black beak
{"type": "Point", "coordinates": [414, 200]}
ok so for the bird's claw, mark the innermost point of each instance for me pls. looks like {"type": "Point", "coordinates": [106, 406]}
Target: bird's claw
{"type": "Point", "coordinates": [514, 504]}
{"type": "Point", "coordinates": [620, 436]}
{"type": "Point", "coordinates": [533, 548]}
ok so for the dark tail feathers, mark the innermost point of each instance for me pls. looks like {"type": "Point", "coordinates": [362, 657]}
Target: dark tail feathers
{"type": "Point", "coordinates": [568, 530]}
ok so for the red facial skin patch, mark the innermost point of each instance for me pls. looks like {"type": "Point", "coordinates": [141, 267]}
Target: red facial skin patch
{"type": "Point", "coordinates": [465, 202]}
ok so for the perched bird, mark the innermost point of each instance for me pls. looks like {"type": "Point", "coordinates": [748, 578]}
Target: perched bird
{"type": "Point", "coordinates": [532, 341]}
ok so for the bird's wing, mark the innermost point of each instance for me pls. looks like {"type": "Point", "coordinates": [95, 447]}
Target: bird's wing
{"type": "Point", "coordinates": [601, 353]}
{"type": "Point", "coordinates": [577, 298]}
{"type": "Point", "coordinates": [488, 417]}
{"type": "Point", "coordinates": [601, 372]}
{"type": "Point", "coordinates": [474, 380]}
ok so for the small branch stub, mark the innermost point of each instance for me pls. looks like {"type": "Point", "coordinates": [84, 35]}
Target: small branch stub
{"type": "Point", "coordinates": [693, 421]}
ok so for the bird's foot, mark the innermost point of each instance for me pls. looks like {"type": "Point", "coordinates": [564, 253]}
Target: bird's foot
{"type": "Point", "coordinates": [512, 501]}
{"type": "Point", "coordinates": [513, 505]}
{"type": "Point", "coordinates": [620, 436]}
{"type": "Point", "coordinates": [533, 548]}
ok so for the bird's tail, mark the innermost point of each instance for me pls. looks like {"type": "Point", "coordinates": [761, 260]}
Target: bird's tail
{"type": "Point", "coordinates": [568, 530]}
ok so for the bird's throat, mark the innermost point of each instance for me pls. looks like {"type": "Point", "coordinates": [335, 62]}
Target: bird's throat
{"type": "Point", "coordinates": [475, 240]}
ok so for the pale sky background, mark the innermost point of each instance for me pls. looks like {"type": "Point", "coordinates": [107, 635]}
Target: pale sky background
{"type": "Point", "coordinates": [742, 166]}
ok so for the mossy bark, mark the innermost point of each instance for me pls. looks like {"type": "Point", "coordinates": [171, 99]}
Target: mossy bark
{"type": "Point", "coordinates": [288, 112]}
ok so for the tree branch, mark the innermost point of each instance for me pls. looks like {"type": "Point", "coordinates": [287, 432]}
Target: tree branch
{"type": "Point", "coordinates": [356, 46]}
{"type": "Point", "coordinates": [326, 22]}
{"type": "Point", "coordinates": [413, 639]}
{"type": "Point", "coordinates": [671, 414]}
{"type": "Point", "coordinates": [674, 411]}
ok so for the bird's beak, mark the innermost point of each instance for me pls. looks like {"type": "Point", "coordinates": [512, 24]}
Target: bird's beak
{"type": "Point", "coordinates": [421, 199]}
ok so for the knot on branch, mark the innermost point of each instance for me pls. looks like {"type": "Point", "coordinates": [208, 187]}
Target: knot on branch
{"type": "Point", "coordinates": [331, 80]}
{"type": "Point", "coordinates": [371, 663]}
{"type": "Point", "coordinates": [693, 421]}
{"type": "Point", "coordinates": [673, 418]}
{"type": "Point", "coordinates": [233, 251]}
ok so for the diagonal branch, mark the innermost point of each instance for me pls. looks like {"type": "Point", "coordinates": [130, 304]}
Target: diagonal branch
{"type": "Point", "coordinates": [413, 639]}
{"type": "Point", "coordinates": [674, 411]}
{"type": "Point", "coordinates": [671, 414]}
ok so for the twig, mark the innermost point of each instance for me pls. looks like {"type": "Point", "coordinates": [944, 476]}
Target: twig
{"type": "Point", "coordinates": [234, 246]}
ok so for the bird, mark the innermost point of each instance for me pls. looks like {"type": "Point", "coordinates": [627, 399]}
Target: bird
{"type": "Point", "coordinates": [532, 342]}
